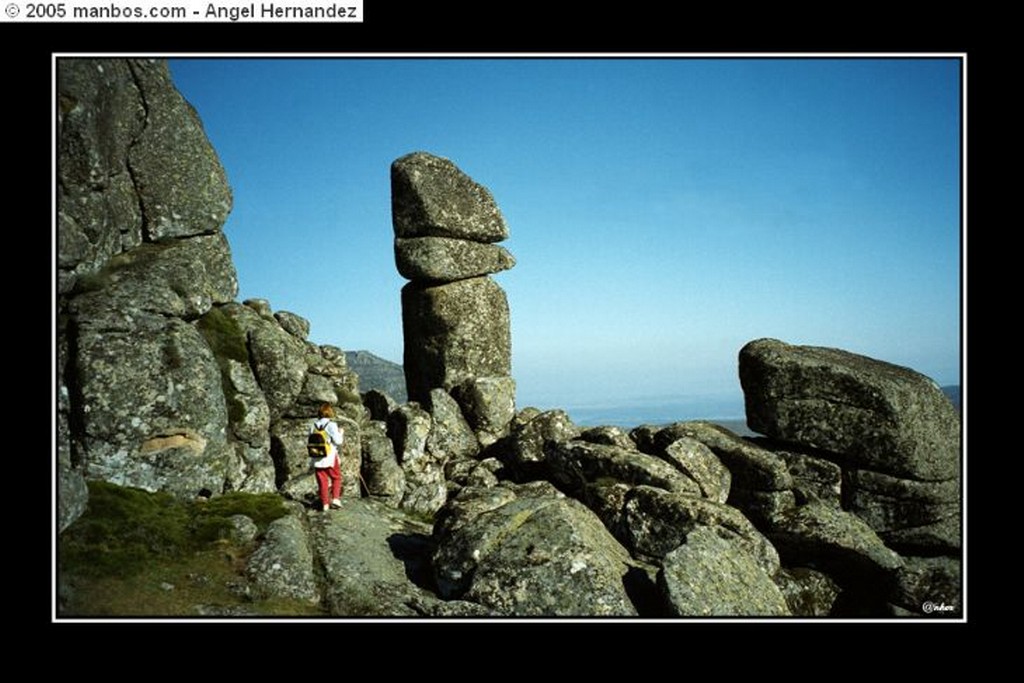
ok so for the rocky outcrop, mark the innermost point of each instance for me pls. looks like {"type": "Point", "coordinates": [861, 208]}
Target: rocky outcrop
{"type": "Point", "coordinates": [165, 382]}
{"type": "Point", "coordinates": [455, 504]}
{"type": "Point", "coordinates": [879, 441]}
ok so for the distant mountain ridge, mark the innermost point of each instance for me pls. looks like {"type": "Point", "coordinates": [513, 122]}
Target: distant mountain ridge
{"type": "Point", "coordinates": [378, 373]}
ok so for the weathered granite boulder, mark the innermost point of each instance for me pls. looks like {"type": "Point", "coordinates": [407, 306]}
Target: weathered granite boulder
{"type": "Point", "coordinates": [430, 196]}
{"type": "Point", "coordinates": [710, 576]}
{"type": "Point", "coordinates": [382, 474]}
{"type": "Point", "coordinates": [752, 467]}
{"type": "Point", "coordinates": [813, 477]}
{"type": "Point", "coordinates": [530, 552]}
{"type": "Point", "coordinates": [761, 485]}
{"type": "Point", "coordinates": [373, 560]}
{"type": "Point", "coordinates": [450, 437]}
{"type": "Point", "coordinates": [837, 542]}
{"type": "Point", "coordinates": [878, 416]}
{"type": "Point", "coordinates": [454, 332]}
{"type": "Point", "coordinates": [242, 529]}
{"type": "Point", "coordinates": [922, 515]}
{"type": "Point", "coordinates": [282, 565]}
{"type": "Point", "coordinates": [524, 450]}
{"type": "Point", "coordinates": [892, 430]}
{"type": "Point", "coordinates": [261, 307]}
{"type": "Point", "coordinates": [808, 592]}
{"type": "Point", "coordinates": [608, 436]}
{"type": "Point", "coordinates": [444, 259]}
{"type": "Point", "coordinates": [409, 428]}
{"type": "Point", "coordinates": [698, 462]}
{"type": "Point", "coordinates": [489, 404]}
{"type": "Point", "coordinates": [656, 522]}
{"type": "Point", "coordinates": [478, 473]}
{"type": "Point", "coordinates": [279, 363]}
{"type": "Point", "coordinates": [181, 185]}
{"type": "Point", "coordinates": [151, 406]}
{"type": "Point", "coordinates": [573, 464]}
{"type": "Point", "coordinates": [181, 278]}
{"type": "Point", "coordinates": [293, 324]}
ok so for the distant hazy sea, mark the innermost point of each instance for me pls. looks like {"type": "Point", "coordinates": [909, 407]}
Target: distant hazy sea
{"type": "Point", "coordinates": [727, 411]}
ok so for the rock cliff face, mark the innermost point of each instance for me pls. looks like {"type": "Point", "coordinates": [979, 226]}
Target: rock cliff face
{"type": "Point", "coordinates": [165, 382]}
{"type": "Point", "coordinates": [457, 504]}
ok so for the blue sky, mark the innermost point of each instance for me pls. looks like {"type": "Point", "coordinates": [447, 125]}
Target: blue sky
{"type": "Point", "coordinates": [663, 212]}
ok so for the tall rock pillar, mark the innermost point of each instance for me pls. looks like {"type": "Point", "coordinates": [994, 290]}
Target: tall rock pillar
{"type": "Point", "coordinates": [455, 318]}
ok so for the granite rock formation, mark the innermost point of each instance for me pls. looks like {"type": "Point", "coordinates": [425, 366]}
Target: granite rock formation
{"type": "Point", "coordinates": [165, 382]}
{"type": "Point", "coordinates": [456, 504]}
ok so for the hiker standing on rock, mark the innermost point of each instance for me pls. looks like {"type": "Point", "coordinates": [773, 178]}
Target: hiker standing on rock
{"type": "Point", "coordinates": [325, 438]}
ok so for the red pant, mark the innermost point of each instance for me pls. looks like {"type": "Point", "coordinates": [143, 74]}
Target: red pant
{"type": "Point", "coordinates": [328, 480]}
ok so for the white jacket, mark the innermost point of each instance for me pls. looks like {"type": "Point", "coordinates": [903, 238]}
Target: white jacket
{"type": "Point", "coordinates": [335, 436]}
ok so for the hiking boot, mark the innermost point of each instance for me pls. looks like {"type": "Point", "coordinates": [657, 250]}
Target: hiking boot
{"type": "Point", "coordinates": [336, 503]}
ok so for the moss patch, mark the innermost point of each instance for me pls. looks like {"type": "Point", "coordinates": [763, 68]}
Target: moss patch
{"type": "Point", "coordinates": [224, 335]}
{"type": "Point", "coordinates": [140, 553]}
{"type": "Point", "coordinates": [227, 340]}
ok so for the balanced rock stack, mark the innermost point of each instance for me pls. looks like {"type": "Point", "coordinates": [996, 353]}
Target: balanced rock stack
{"type": "Point", "coordinates": [455, 318]}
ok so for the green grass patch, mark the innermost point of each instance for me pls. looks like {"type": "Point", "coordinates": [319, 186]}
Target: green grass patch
{"type": "Point", "coordinates": [135, 553]}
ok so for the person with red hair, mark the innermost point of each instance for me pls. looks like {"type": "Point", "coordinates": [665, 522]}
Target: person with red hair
{"type": "Point", "coordinates": [328, 468]}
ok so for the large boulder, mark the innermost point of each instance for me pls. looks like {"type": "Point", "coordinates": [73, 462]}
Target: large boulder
{"type": "Point", "coordinates": [181, 185]}
{"type": "Point", "coordinates": [837, 542]}
{"type": "Point", "coordinates": [530, 552]}
{"type": "Point", "coordinates": [454, 332]}
{"type": "Point", "coordinates": [430, 196]}
{"type": "Point", "coordinates": [760, 482]}
{"type": "Point", "coordinates": [409, 428]}
{"type": "Point", "coordinates": [710, 576]}
{"type": "Point", "coordinates": [655, 522]}
{"type": "Point", "coordinates": [450, 437]}
{"type": "Point", "coordinates": [382, 475]}
{"type": "Point", "coordinates": [282, 565]}
{"type": "Point", "coordinates": [444, 259]}
{"type": "Point", "coordinates": [524, 450]}
{"type": "Point", "coordinates": [698, 462]}
{"type": "Point", "coordinates": [878, 416]}
{"type": "Point", "coordinates": [181, 278]}
{"type": "Point", "coordinates": [489, 404]}
{"type": "Point", "coordinates": [373, 561]}
{"type": "Point", "coordinates": [574, 464]}
{"type": "Point", "coordinates": [279, 363]}
{"type": "Point", "coordinates": [144, 389]}
{"type": "Point", "coordinates": [892, 430]}
{"type": "Point", "coordinates": [151, 406]}
{"type": "Point", "coordinates": [906, 513]}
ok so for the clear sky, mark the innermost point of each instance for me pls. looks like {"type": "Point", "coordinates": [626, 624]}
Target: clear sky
{"type": "Point", "coordinates": [663, 212]}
